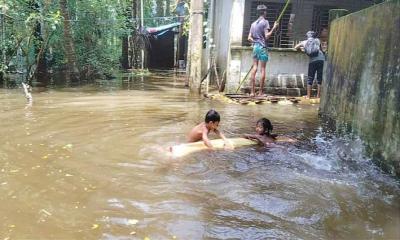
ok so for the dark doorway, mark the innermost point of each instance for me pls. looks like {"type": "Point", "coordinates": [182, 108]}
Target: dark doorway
{"type": "Point", "coordinates": [162, 50]}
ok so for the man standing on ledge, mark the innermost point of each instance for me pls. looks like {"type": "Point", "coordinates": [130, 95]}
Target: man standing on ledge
{"type": "Point", "coordinates": [258, 35]}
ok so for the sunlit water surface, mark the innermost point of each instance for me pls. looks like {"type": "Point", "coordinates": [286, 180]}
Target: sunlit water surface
{"type": "Point", "coordinates": [90, 163]}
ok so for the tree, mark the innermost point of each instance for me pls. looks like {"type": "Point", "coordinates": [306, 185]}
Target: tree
{"type": "Point", "coordinates": [40, 70]}
{"type": "Point", "coordinates": [125, 39]}
{"type": "Point", "coordinates": [160, 8]}
{"type": "Point", "coordinates": [96, 37]}
{"type": "Point", "coordinates": [69, 48]}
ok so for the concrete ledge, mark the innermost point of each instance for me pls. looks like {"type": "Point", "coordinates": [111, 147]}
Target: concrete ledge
{"type": "Point", "coordinates": [277, 91]}
{"type": "Point", "coordinates": [286, 68]}
{"type": "Point", "coordinates": [293, 92]}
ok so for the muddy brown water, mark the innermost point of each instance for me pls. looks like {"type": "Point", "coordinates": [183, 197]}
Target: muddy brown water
{"type": "Point", "coordinates": [89, 163]}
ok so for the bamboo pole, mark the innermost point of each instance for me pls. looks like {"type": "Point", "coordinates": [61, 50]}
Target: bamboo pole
{"type": "Point", "coordinates": [283, 11]}
{"type": "Point", "coordinates": [244, 79]}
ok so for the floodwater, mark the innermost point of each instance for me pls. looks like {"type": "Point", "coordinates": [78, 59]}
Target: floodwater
{"type": "Point", "coordinates": [89, 163]}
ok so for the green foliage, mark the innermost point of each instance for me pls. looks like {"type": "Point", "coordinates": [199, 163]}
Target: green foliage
{"type": "Point", "coordinates": [36, 26]}
{"type": "Point", "coordinates": [21, 21]}
{"type": "Point", "coordinates": [97, 35]}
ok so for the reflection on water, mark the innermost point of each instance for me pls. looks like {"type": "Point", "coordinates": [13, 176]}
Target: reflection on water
{"type": "Point", "coordinates": [89, 162]}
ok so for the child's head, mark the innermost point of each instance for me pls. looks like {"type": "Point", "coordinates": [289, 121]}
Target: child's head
{"type": "Point", "coordinates": [311, 34]}
{"type": "Point", "coordinates": [264, 126]}
{"type": "Point", "coordinates": [212, 119]}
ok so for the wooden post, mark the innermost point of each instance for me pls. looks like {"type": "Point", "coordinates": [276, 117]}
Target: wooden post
{"type": "Point", "coordinates": [141, 28]}
{"type": "Point", "coordinates": [211, 46]}
{"type": "Point", "coordinates": [3, 52]}
{"type": "Point", "coordinates": [196, 44]}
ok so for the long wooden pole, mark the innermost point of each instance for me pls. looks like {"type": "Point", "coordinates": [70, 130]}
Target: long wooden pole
{"type": "Point", "coordinates": [244, 79]}
{"type": "Point", "coordinates": [283, 11]}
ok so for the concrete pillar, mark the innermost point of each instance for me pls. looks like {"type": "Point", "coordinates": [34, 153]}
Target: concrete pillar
{"type": "Point", "coordinates": [196, 45]}
{"type": "Point", "coordinates": [236, 32]}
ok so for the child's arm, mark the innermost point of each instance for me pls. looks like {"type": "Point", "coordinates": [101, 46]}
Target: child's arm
{"type": "Point", "coordinates": [285, 139]}
{"type": "Point", "coordinates": [249, 136]}
{"type": "Point", "coordinates": [255, 137]}
{"type": "Point", "coordinates": [226, 141]}
{"type": "Point", "coordinates": [206, 140]}
{"type": "Point", "coordinates": [300, 45]}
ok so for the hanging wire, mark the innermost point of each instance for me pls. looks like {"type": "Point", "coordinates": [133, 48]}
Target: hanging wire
{"type": "Point", "coordinates": [113, 20]}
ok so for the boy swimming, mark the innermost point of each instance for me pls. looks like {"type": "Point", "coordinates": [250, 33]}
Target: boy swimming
{"type": "Point", "coordinates": [210, 124]}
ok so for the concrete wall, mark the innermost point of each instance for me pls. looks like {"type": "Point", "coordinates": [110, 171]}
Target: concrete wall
{"type": "Point", "coordinates": [221, 31]}
{"type": "Point", "coordinates": [362, 84]}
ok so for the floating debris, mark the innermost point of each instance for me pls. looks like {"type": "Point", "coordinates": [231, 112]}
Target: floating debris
{"type": "Point", "coordinates": [94, 226]}
{"type": "Point", "coordinates": [45, 212]}
{"type": "Point", "coordinates": [132, 221]}
{"type": "Point", "coordinates": [68, 146]}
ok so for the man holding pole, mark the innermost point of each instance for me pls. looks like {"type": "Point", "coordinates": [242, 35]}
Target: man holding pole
{"type": "Point", "coordinates": [258, 35]}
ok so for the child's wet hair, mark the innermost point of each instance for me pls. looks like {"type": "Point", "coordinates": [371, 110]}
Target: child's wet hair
{"type": "Point", "coordinates": [267, 125]}
{"type": "Point", "coordinates": [212, 116]}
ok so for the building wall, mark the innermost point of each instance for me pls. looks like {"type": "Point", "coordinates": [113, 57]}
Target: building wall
{"type": "Point", "coordinates": [221, 31]}
{"type": "Point", "coordinates": [303, 10]}
{"type": "Point", "coordinates": [236, 63]}
{"type": "Point", "coordinates": [361, 88]}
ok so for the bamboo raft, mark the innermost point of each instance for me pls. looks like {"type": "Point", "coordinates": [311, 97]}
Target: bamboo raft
{"type": "Point", "coordinates": [247, 100]}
